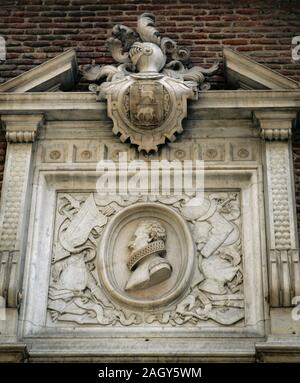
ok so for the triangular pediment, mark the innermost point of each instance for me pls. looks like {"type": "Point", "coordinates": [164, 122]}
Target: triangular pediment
{"type": "Point", "coordinates": [241, 72]}
{"type": "Point", "coordinates": [59, 73]}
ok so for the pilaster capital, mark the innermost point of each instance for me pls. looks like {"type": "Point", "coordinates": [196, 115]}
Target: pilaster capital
{"type": "Point", "coordinates": [21, 128]}
{"type": "Point", "coordinates": [275, 125]}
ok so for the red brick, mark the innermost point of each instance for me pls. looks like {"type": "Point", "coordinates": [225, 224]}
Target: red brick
{"type": "Point", "coordinates": [235, 42]}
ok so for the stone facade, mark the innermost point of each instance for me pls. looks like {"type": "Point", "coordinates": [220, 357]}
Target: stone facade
{"type": "Point", "coordinates": [36, 32]}
{"type": "Point", "coordinates": [85, 274]}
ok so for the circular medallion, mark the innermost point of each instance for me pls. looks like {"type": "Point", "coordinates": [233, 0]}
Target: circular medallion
{"type": "Point", "coordinates": [146, 256]}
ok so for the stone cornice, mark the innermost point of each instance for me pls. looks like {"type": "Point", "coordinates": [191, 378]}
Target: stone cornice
{"type": "Point", "coordinates": [21, 128]}
{"type": "Point", "coordinates": [233, 99]}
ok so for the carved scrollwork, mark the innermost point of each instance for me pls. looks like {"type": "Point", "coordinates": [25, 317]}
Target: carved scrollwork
{"type": "Point", "coordinates": [145, 59]}
{"type": "Point", "coordinates": [75, 294]}
{"type": "Point", "coordinates": [126, 44]}
{"type": "Point", "coordinates": [217, 289]}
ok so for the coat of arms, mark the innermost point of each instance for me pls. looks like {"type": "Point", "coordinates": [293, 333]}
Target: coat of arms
{"type": "Point", "coordinates": [147, 91]}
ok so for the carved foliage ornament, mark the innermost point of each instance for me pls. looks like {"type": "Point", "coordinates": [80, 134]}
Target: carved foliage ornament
{"type": "Point", "coordinates": [147, 91]}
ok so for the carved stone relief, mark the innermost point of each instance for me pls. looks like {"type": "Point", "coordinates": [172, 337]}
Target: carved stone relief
{"type": "Point", "coordinates": [147, 261]}
{"type": "Point", "coordinates": [146, 256]}
{"type": "Point", "coordinates": [56, 152]}
{"type": "Point", "coordinates": [147, 92]}
{"type": "Point", "coordinates": [241, 152]}
{"type": "Point", "coordinates": [88, 153]}
{"type": "Point", "coordinates": [213, 152]}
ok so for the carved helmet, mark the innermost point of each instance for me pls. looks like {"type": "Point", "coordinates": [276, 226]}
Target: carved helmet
{"type": "Point", "coordinates": [147, 57]}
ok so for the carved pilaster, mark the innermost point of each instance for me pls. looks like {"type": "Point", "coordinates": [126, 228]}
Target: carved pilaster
{"type": "Point", "coordinates": [284, 267]}
{"type": "Point", "coordinates": [20, 134]}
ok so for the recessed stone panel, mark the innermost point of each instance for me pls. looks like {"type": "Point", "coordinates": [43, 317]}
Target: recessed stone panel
{"type": "Point", "coordinates": [55, 152]}
{"type": "Point", "coordinates": [87, 152]}
{"type": "Point", "coordinates": [213, 152]}
{"type": "Point", "coordinates": [242, 152]}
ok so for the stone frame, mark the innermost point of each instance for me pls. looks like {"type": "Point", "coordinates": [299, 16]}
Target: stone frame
{"type": "Point", "coordinates": [46, 185]}
{"type": "Point", "coordinates": [225, 121]}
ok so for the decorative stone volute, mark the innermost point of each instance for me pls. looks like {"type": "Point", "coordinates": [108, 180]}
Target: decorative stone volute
{"type": "Point", "coordinates": [275, 126]}
{"type": "Point", "coordinates": [21, 128]}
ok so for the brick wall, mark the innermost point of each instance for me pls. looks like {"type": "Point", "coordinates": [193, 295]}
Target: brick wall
{"type": "Point", "coordinates": [36, 30]}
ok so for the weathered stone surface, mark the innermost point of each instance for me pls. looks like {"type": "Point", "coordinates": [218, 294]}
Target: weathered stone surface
{"type": "Point", "coordinates": [147, 92]}
{"type": "Point", "coordinates": [103, 274]}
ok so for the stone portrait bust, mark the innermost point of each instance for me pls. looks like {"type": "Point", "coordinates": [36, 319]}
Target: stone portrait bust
{"type": "Point", "coordinates": [147, 261]}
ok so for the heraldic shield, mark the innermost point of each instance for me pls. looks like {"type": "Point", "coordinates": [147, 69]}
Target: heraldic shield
{"type": "Point", "coordinates": [147, 92]}
{"type": "Point", "coordinates": [149, 104]}
{"type": "Point", "coordinates": [147, 111]}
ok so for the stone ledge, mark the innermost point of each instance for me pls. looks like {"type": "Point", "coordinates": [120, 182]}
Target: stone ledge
{"type": "Point", "coordinates": [142, 350]}
{"type": "Point", "coordinates": [279, 350]}
{"type": "Point", "coordinates": [273, 350]}
{"type": "Point", "coordinates": [13, 352]}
